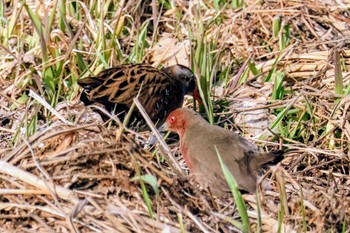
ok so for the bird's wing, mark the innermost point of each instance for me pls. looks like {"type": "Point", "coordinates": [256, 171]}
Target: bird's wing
{"type": "Point", "coordinates": [238, 145]}
{"type": "Point", "coordinates": [123, 82]}
{"type": "Point", "coordinates": [158, 93]}
{"type": "Point", "coordinates": [233, 149]}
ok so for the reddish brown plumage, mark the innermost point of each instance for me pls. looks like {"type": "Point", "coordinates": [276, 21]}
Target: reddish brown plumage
{"type": "Point", "coordinates": [197, 143]}
{"type": "Point", "coordinates": [162, 90]}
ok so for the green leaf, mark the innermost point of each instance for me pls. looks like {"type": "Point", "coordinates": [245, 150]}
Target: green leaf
{"type": "Point", "coordinates": [20, 101]}
{"type": "Point", "coordinates": [253, 68]}
{"type": "Point", "coordinates": [149, 179]}
{"type": "Point", "coordinates": [242, 209]}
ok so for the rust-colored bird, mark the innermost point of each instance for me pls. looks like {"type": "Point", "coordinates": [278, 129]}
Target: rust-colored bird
{"type": "Point", "coordinates": [197, 144]}
{"type": "Point", "coordinates": [162, 91]}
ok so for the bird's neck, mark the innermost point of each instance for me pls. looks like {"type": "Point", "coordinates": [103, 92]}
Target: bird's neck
{"type": "Point", "coordinates": [184, 152]}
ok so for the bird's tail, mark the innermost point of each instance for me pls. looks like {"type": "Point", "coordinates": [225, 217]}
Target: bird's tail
{"type": "Point", "coordinates": [266, 159]}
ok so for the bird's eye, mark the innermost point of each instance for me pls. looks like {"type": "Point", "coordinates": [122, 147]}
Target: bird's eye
{"type": "Point", "coordinates": [172, 119]}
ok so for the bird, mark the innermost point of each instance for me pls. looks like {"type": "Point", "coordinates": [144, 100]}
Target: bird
{"type": "Point", "coordinates": [160, 91]}
{"type": "Point", "coordinates": [198, 143]}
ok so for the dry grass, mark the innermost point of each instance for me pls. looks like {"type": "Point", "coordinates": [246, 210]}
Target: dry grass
{"type": "Point", "coordinates": [78, 177]}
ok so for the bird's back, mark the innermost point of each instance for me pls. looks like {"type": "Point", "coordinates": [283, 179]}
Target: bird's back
{"type": "Point", "coordinates": [202, 140]}
{"type": "Point", "coordinates": [116, 87]}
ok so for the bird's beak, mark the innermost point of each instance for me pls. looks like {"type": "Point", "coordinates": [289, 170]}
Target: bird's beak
{"type": "Point", "coordinates": [197, 96]}
{"type": "Point", "coordinates": [164, 127]}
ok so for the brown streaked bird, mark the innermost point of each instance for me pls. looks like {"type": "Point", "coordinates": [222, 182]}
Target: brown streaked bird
{"type": "Point", "coordinates": [162, 90]}
{"type": "Point", "coordinates": [197, 144]}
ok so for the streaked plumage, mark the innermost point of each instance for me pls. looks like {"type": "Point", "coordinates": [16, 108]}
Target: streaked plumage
{"type": "Point", "coordinates": [162, 90]}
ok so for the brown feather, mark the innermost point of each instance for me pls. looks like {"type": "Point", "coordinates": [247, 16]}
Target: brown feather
{"type": "Point", "coordinates": [161, 91]}
{"type": "Point", "coordinates": [198, 140]}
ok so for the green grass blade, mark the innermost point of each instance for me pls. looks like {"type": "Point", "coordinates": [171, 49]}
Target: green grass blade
{"type": "Point", "coordinates": [144, 192]}
{"type": "Point", "coordinates": [237, 4]}
{"type": "Point", "coordinates": [20, 101]}
{"type": "Point", "coordinates": [242, 209]}
{"type": "Point", "coordinates": [2, 9]}
{"type": "Point", "coordinates": [339, 86]}
{"type": "Point", "coordinates": [52, 17]}
{"type": "Point", "coordinates": [253, 68]}
{"type": "Point", "coordinates": [278, 90]}
{"type": "Point", "coordinates": [283, 113]}
{"type": "Point", "coordinates": [276, 25]}
{"type": "Point", "coordinates": [39, 29]}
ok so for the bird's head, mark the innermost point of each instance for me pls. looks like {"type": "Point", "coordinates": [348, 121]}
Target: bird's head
{"type": "Point", "coordinates": [187, 78]}
{"type": "Point", "coordinates": [180, 119]}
